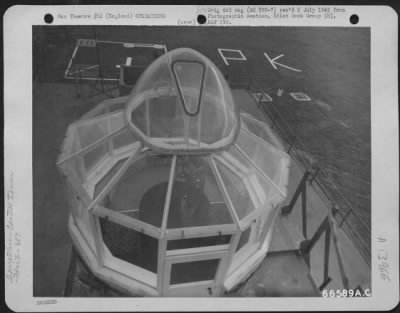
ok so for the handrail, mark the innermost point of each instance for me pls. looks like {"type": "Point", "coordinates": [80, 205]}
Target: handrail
{"type": "Point", "coordinates": [333, 196]}
{"type": "Point", "coordinates": [328, 227]}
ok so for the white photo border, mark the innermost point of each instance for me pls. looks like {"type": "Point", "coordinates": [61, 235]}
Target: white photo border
{"type": "Point", "coordinates": [383, 21]}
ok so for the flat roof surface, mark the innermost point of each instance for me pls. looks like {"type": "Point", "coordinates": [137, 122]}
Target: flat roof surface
{"type": "Point", "coordinates": [282, 274]}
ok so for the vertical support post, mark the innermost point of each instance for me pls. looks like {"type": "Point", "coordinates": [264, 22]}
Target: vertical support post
{"type": "Point", "coordinates": [339, 257]}
{"type": "Point", "coordinates": [304, 210]}
{"type": "Point", "coordinates": [162, 248]}
{"type": "Point", "coordinates": [310, 244]}
{"type": "Point", "coordinates": [307, 245]}
{"type": "Point", "coordinates": [327, 253]}
{"type": "Point", "coordinates": [300, 188]}
{"type": "Point", "coordinates": [98, 238]}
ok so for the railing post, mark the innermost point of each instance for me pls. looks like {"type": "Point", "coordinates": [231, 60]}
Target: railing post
{"type": "Point", "coordinates": [338, 252]}
{"type": "Point", "coordinates": [310, 243]}
{"type": "Point", "coordinates": [304, 211]}
{"type": "Point", "coordinates": [327, 279]}
{"type": "Point", "coordinates": [300, 188]}
{"type": "Point", "coordinates": [307, 245]}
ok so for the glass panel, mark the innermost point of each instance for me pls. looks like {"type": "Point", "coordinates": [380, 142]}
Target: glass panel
{"type": "Point", "coordinates": [130, 245]}
{"type": "Point", "coordinates": [216, 126]}
{"type": "Point", "coordinates": [198, 242]}
{"type": "Point", "coordinates": [259, 129]}
{"type": "Point", "coordinates": [267, 158]}
{"type": "Point", "coordinates": [140, 120]}
{"type": "Point", "coordinates": [237, 159]}
{"type": "Point", "coordinates": [237, 191]}
{"type": "Point", "coordinates": [158, 85]}
{"type": "Point", "coordinates": [266, 193]}
{"type": "Point", "coordinates": [160, 117]}
{"type": "Point", "coordinates": [107, 177]}
{"type": "Point", "coordinates": [244, 239]}
{"type": "Point", "coordinates": [196, 199]}
{"type": "Point", "coordinates": [193, 271]}
{"type": "Point", "coordinates": [115, 122]}
{"type": "Point", "coordinates": [218, 108]}
{"type": "Point", "coordinates": [125, 138]}
{"type": "Point", "coordinates": [92, 130]}
{"type": "Point", "coordinates": [166, 119]}
{"type": "Point", "coordinates": [76, 165]}
{"type": "Point", "coordinates": [141, 191]}
{"type": "Point", "coordinates": [93, 156]}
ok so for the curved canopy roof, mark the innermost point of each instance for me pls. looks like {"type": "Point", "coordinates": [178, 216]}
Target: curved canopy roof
{"type": "Point", "coordinates": [183, 104]}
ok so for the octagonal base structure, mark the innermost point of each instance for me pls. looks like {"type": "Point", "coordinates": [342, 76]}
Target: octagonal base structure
{"type": "Point", "coordinates": [116, 279]}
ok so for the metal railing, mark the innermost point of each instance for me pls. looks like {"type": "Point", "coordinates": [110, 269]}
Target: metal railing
{"type": "Point", "coordinates": [347, 218]}
{"type": "Point", "coordinates": [327, 226]}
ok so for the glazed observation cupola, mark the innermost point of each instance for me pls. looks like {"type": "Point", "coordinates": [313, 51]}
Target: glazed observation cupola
{"type": "Point", "coordinates": [182, 104]}
{"type": "Point", "coordinates": [172, 192]}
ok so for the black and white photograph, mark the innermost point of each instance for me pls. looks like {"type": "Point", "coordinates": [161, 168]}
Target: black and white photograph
{"type": "Point", "coordinates": [202, 161]}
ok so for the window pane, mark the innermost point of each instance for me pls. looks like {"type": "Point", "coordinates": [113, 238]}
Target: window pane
{"type": "Point", "coordinates": [75, 164]}
{"type": "Point", "coordinates": [129, 245]}
{"type": "Point", "coordinates": [196, 199]}
{"type": "Point", "coordinates": [123, 139]}
{"type": "Point", "coordinates": [165, 117]}
{"type": "Point", "coordinates": [107, 177]}
{"type": "Point", "coordinates": [93, 130]}
{"type": "Point", "coordinates": [92, 157]}
{"type": "Point", "coordinates": [141, 191]}
{"type": "Point", "coordinates": [193, 271]}
{"type": "Point", "coordinates": [160, 117]}
{"type": "Point", "coordinates": [267, 158]}
{"type": "Point", "coordinates": [198, 242]}
{"type": "Point", "coordinates": [260, 129]}
{"type": "Point", "coordinates": [237, 191]}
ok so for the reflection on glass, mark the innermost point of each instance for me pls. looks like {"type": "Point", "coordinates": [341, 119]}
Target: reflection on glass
{"type": "Point", "coordinates": [141, 191]}
{"type": "Point", "coordinates": [237, 191]}
{"type": "Point", "coordinates": [198, 242]}
{"type": "Point", "coordinates": [193, 271]}
{"type": "Point", "coordinates": [196, 199]}
{"type": "Point", "coordinates": [130, 245]}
